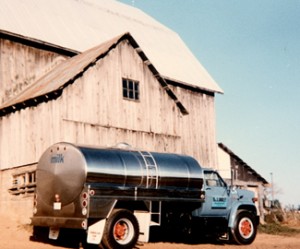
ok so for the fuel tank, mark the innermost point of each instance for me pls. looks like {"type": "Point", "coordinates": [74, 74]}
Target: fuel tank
{"type": "Point", "coordinates": [65, 169]}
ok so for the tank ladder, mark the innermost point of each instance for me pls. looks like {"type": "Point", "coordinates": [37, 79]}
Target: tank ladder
{"type": "Point", "coordinates": [151, 169]}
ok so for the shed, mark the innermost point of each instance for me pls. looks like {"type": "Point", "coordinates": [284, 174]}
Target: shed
{"type": "Point", "coordinates": [240, 174]}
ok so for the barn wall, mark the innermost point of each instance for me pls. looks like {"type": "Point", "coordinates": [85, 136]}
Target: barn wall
{"type": "Point", "coordinates": [198, 128]}
{"type": "Point", "coordinates": [92, 111]}
{"type": "Point", "coordinates": [21, 65]}
{"type": "Point", "coordinates": [24, 135]}
{"type": "Point", "coordinates": [27, 133]}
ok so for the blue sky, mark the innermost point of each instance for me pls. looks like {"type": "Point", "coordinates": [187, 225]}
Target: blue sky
{"type": "Point", "coordinates": [252, 49]}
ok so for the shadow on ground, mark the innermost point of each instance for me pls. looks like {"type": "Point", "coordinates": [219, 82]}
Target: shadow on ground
{"type": "Point", "coordinates": [72, 238]}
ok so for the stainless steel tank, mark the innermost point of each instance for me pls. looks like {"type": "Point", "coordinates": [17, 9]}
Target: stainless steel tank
{"type": "Point", "coordinates": [64, 169]}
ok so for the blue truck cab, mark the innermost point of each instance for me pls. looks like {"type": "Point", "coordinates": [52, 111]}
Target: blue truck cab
{"type": "Point", "coordinates": [228, 212]}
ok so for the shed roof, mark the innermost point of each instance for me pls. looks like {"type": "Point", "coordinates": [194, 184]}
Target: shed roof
{"type": "Point", "coordinates": [232, 154]}
{"type": "Point", "coordinates": [52, 84]}
{"type": "Point", "coordinates": [81, 24]}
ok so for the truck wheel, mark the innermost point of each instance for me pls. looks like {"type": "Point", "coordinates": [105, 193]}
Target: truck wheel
{"type": "Point", "coordinates": [121, 230]}
{"type": "Point", "coordinates": [244, 229]}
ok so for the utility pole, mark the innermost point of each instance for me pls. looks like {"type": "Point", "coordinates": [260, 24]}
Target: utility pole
{"type": "Point", "coordinates": [272, 189]}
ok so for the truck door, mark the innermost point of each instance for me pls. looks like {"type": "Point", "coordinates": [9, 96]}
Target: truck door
{"type": "Point", "coordinates": [217, 200]}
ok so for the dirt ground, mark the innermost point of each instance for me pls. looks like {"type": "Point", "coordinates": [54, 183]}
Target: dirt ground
{"type": "Point", "coordinates": [17, 236]}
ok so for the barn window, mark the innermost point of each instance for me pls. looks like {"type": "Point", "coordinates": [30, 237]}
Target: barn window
{"type": "Point", "coordinates": [131, 89]}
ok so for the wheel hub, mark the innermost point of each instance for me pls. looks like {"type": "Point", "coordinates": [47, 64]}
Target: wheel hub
{"type": "Point", "coordinates": [246, 228]}
{"type": "Point", "coordinates": [120, 230]}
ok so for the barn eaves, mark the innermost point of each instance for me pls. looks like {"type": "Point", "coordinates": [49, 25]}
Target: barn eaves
{"type": "Point", "coordinates": [35, 43]}
{"type": "Point", "coordinates": [52, 84]}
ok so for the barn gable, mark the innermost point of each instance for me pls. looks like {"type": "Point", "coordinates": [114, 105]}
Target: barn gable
{"type": "Point", "coordinates": [52, 84]}
{"type": "Point", "coordinates": [87, 105]}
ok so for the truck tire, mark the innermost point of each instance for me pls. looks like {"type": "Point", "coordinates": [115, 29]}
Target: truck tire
{"type": "Point", "coordinates": [121, 230]}
{"type": "Point", "coordinates": [244, 229]}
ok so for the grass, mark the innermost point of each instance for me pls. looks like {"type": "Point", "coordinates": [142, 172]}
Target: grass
{"type": "Point", "coordinates": [277, 229]}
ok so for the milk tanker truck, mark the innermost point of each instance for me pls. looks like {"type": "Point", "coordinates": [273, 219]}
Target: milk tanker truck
{"type": "Point", "coordinates": [115, 195]}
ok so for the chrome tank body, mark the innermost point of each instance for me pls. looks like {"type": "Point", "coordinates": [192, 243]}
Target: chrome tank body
{"type": "Point", "coordinates": [65, 169]}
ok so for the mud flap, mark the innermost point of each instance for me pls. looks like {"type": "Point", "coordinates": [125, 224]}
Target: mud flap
{"type": "Point", "coordinates": [95, 232]}
{"type": "Point", "coordinates": [144, 220]}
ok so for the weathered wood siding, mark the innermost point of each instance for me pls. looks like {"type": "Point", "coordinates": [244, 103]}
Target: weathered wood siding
{"type": "Point", "coordinates": [97, 109]}
{"type": "Point", "coordinates": [21, 65]}
{"type": "Point", "coordinates": [198, 132]}
{"type": "Point", "coordinates": [92, 111]}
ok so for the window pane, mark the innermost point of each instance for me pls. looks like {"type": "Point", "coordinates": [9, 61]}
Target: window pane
{"type": "Point", "coordinates": [131, 94]}
{"type": "Point", "coordinates": [136, 86]}
{"type": "Point", "coordinates": [130, 85]}
{"type": "Point", "coordinates": [125, 95]}
{"type": "Point", "coordinates": [124, 83]}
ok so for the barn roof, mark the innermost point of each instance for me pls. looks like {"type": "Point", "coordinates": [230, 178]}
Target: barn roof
{"type": "Point", "coordinates": [52, 84]}
{"type": "Point", "coordinates": [80, 25]}
{"type": "Point", "coordinates": [245, 165]}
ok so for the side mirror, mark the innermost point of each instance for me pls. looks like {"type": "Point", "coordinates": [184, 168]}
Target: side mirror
{"type": "Point", "coordinates": [231, 189]}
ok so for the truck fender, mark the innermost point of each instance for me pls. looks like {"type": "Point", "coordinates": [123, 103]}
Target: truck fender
{"type": "Point", "coordinates": [234, 211]}
{"type": "Point", "coordinates": [95, 232]}
{"type": "Point", "coordinates": [232, 215]}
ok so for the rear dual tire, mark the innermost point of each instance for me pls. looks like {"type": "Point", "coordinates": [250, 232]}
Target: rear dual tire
{"type": "Point", "coordinates": [121, 230]}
